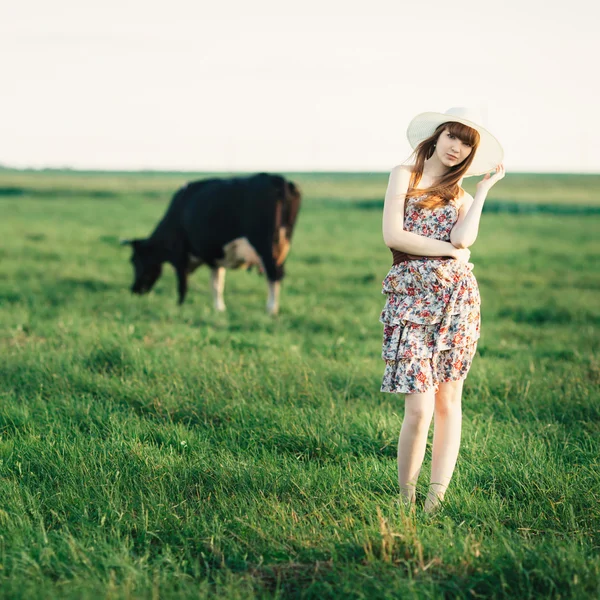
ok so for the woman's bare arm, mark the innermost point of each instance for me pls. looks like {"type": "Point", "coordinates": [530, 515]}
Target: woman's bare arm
{"type": "Point", "coordinates": [464, 233]}
{"type": "Point", "coordinates": [394, 235]}
{"type": "Point", "coordinates": [465, 230]}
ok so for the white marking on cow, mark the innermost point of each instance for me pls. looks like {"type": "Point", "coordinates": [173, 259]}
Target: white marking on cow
{"type": "Point", "coordinates": [217, 281]}
{"type": "Point", "coordinates": [239, 253]}
{"type": "Point", "coordinates": [273, 301]}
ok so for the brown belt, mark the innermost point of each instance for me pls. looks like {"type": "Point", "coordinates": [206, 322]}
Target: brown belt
{"type": "Point", "coordinates": [402, 256]}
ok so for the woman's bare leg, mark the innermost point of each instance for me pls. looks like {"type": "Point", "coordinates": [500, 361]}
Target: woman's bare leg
{"type": "Point", "coordinates": [418, 410]}
{"type": "Point", "coordinates": [447, 426]}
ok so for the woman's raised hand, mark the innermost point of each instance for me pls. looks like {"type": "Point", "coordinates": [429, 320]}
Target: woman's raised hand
{"type": "Point", "coordinates": [489, 180]}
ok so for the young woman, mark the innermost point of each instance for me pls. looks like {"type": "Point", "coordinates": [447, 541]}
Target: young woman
{"type": "Point", "coordinates": [431, 317]}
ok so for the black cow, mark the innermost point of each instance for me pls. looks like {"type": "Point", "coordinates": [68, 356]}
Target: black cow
{"type": "Point", "coordinates": [225, 224]}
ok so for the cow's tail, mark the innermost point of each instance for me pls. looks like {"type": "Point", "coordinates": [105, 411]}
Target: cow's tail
{"type": "Point", "coordinates": [286, 212]}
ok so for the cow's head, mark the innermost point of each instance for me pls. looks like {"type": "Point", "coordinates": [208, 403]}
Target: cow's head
{"type": "Point", "coordinates": [146, 264]}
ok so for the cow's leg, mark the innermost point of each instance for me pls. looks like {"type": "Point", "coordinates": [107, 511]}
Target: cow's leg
{"type": "Point", "coordinates": [181, 282]}
{"type": "Point", "coordinates": [274, 273]}
{"type": "Point", "coordinates": [273, 301]}
{"type": "Point", "coordinates": [217, 280]}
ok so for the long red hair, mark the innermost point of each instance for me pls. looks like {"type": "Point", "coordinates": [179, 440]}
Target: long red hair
{"type": "Point", "coordinates": [447, 188]}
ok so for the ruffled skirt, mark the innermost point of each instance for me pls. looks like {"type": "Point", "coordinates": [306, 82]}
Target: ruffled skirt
{"type": "Point", "coordinates": [431, 324]}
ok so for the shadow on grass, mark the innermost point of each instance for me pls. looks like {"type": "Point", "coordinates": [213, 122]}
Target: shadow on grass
{"type": "Point", "coordinates": [498, 206]}
{"type": "Point", "coordinates": [60, 293]}
{"type": "Point", "coordinates": [111, 376]}
{"type": "Point", "coordinates": [396, 564]}
{"type": "Point", "coordinates": [407, 574]}
{"type": "Point", "coordinates": [57, 193]}
{"type": "Point", "coordinates": [548, 315]}
{"type": "Point", "coordinates": [77, 193]}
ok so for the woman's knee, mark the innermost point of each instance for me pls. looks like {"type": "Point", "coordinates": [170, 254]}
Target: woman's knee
{"type": "Point", "coordinates": [418, 410]}
{"type": "Point", "coordinates": [448, 398]}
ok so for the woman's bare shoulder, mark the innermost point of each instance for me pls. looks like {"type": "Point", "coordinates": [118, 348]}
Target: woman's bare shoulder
{"type": "Point", "coordinates": [401, 173]}
{"type": "Point", "coordinates": [463, 198]}
{"type": "Point", "coordinates": [403, 169]}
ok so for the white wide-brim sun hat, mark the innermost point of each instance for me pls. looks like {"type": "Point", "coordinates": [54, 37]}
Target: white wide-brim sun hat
{"type": "Point", "coordinates": [489, 153]}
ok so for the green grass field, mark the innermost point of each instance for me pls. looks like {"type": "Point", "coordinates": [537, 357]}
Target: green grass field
{"type": "Point", "coordinates": [155, 451]}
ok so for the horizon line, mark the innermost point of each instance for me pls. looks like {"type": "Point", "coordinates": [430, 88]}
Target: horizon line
{"type": "Point", "coordinates": [6, 168]}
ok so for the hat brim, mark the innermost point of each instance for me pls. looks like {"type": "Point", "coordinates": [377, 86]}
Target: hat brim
{"type": "Point", "coordinates": [488, 155]}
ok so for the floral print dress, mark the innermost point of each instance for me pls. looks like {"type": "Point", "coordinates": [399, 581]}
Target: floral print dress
{"type": "Point", "coordinates": [432, 314]}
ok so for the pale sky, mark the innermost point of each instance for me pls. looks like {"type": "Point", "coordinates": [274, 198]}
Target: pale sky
{"type": "Point", "coordinates": [277, 85]}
